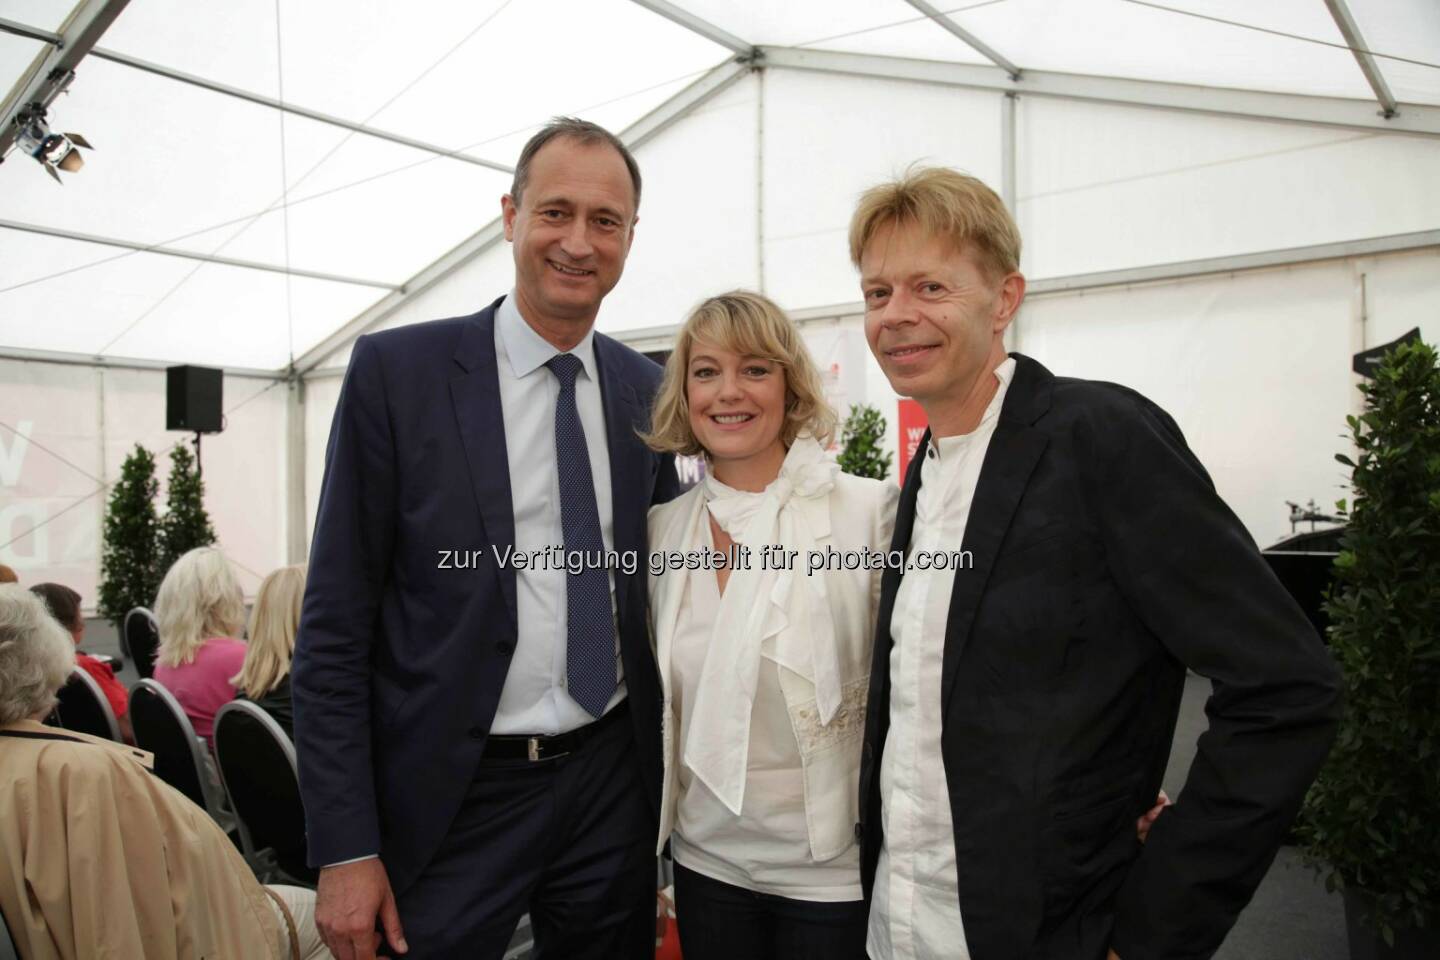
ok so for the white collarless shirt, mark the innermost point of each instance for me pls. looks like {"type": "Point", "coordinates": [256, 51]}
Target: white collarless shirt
{"type": "Point", "coordinates": [534, 699]}
{"type": "Point", "coordinates": [915, 911]}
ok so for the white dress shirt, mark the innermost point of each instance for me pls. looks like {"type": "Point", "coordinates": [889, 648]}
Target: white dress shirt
{"type": "Point", "coordinates": [534, 699]}
{"type": "Point", "coordinates": [915, 912]}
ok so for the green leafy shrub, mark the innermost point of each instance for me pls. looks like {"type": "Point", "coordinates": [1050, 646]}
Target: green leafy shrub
{"type": "Point", "coordinates": [1372, 819]}
{"type": "Point", "coordinates": [129, 571]}
{"type": "Point", "coordinates": [861, 440]}
{"type": "Point", "coordinates": [186, 525]}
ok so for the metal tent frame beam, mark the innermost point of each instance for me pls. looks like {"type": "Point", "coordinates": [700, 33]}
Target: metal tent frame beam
{"type": "Point", "coordinates": [188, 255]}
{"type": "Point", "coordinates": [1248, 104]}
{"type": "Point", "coordinates": [318, 116]}
{"type": "Point", "coordinates": [73, 359]}
{"type": "Point", "coordinates": [966, 37]}
{"type": "Point", "coordinates": [51, 70]}
{"type": "Point", "coordinates": [697, 25]}
{"type": "Point", "coordinates": [642, 130]}
{"type": "Point", "coordinates": [1351, 32]}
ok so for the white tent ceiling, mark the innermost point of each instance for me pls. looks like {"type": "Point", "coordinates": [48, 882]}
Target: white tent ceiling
{"type": "Point", "coordinates": [315, 221]}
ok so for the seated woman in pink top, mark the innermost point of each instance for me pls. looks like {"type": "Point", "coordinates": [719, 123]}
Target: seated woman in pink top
{"type": "Point", "coordinates": [200, 609]}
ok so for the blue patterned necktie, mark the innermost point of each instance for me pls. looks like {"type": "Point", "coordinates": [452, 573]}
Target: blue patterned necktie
{"type": "Point", "coordinates": [590, 641]}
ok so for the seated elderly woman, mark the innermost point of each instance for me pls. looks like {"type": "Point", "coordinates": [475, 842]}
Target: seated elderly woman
{"type": "Point", "coordinates": [101, 857]}
{"type": "Point", "coordinates": [265, 677]}
{"type": "Point", "coordinates": [201, 610]}
{"type": "Point", "coordinates": [64, 606]}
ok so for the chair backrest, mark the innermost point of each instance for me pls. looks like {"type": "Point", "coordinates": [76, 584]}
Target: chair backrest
{"type": "Point", "coordinates": [84, 708]}
{"type": "Point", "coordinates": [139, 638]}
{"type": "Point", "coordinates": [162, 727]}
{"type": "Point", "coordinates": [7, 946]}
{"type": "Point", "coordinates": [257, 763]}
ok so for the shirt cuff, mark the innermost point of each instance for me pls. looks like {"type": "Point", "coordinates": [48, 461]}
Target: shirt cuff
{"type": "Point", "coordinates": [341, 863]}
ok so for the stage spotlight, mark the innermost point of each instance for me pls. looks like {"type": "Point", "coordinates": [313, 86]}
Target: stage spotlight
{"type": "Point", "coordinates": [52, 150]}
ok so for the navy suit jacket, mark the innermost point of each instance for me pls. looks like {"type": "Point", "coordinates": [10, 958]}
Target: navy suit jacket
{"type": "Point", "coordinates": [399, 665]}
{"type": "Point", "coordinates": [1104, 564]}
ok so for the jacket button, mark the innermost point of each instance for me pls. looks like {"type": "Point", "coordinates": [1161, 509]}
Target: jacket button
{"type": "Point", "coordinates": [477, 733]}
{"type": "Point", "coordinates": [859, 833]}
{"type": "Point", "coordinates": [505, 647]}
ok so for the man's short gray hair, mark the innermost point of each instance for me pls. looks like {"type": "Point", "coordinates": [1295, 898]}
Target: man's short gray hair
{"type": "Point", "coordinates": [581, 131]}
{"type": "Point", "coordinates": [36, 655]}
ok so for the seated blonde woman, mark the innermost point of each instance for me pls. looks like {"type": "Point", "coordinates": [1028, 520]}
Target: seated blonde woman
{"type": "Point", "coordinates": [265, 677]}
{"type": "Point", "coordinates": [764, 668]}
{"type": "Point", "coordinates": [201, 611]}
{"type": "Point", "coordinates": [102, 858]}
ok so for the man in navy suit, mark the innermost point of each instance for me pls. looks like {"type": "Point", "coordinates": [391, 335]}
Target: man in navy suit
{"type": "Point", "coordinates": [476, 707]}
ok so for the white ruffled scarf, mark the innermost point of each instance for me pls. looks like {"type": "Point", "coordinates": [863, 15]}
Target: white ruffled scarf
{"type": "Point", "coordinates": [758, 605]}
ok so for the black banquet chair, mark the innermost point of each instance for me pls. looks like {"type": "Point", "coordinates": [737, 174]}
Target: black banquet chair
{"type": "Point", "coordinates": [257, 764]}
{"type": "Point", "coordinates": [7, 946]}
{"type": "Point", "coordinates": [84, 708]}
{"type": "Point", "coordinates": [162, 728]}
{"type": "Point", "coordinates": [139, 638]}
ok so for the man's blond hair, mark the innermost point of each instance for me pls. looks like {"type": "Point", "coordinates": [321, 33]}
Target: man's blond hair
{"type": "Point", "coordinates": [751, 325]}
{"type": "Point", "coordinates": [946, 205]}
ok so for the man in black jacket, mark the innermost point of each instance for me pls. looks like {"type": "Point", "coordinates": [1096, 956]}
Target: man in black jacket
{"type": "Point", "coordinates": [1097, 563]}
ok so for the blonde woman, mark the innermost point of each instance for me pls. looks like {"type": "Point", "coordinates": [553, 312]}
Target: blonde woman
{"type": "Point", "coordinates": [201, 611]}
{"type": "Point", "coordinates": [265, 677]}
{"type": "Point", "coordinates": [764, 665]}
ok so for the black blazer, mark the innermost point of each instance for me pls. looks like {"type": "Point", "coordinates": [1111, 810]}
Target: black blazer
{"type": "Point", "coordinates": [1104, 564]}
{"type": "Point", "coordinates": [398, 664]}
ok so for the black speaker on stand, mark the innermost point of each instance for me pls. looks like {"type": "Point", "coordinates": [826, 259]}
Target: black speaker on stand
{"type": "Point", "coordinates": [193, 402]}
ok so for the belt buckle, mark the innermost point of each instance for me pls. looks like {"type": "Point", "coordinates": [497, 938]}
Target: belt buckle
{"type": "Point", "coordinates": [533, 747]}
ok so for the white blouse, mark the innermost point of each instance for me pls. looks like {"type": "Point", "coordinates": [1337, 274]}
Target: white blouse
{"type": "Point", "coordinates": [766, 848]}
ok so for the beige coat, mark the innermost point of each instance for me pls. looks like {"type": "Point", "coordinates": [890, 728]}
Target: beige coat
{"type": "Point", "coordinates": [102, 859]}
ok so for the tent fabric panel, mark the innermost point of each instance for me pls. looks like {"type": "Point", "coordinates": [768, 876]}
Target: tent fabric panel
{"type": "Point", "coordinates": [1255, 369]}
{"type": "Point", "coordinates": [382, 212]}
{"type": "Point", "coordinates": [409, 68]}
{"type": "Point", "coordinates": [50, 488]}
{"type": "Point", "coordinates": [1403, 28]}
{"type": "Point", "coordinates": [180, 311]}
{"type": "Point", "coordinates": [1402, 292]}
{"type": "Point", "coordinates": [802, 22]}
{"type": "Point", "coordinates": [697, 234]}
{"type": "Point", "coordinates": [1106, 38]}
{"type": "Point", "coordinates": [92, 418]}
{"type": "Point", "coordinates": [168, 159]}
{"type": "Point", "coordinates": [827, 139]}
{"type": "Point", "coordinates": [45, 14]}
{"type": "Point", "coordinates": [1104, 187]}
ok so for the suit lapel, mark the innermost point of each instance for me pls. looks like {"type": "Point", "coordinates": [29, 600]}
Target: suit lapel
{"type": "Point", "coordinates": [629, 458]}
{"type": "Point", "coordinates": [1015, 449]}
{"type": "Point", "coordinates": [475, 394]}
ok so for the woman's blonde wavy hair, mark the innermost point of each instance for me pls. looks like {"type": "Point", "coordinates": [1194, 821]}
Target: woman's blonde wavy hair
{"type": "Point", "coordinates": [198, 599]}
{"type": "Point", "coordinates": [273, 624]}
{"type": "Point", "coordinates": [751, 325]}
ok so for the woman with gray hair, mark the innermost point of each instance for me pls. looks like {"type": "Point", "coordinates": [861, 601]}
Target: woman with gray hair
{"type": "Point", "coordinates": [102, 856]}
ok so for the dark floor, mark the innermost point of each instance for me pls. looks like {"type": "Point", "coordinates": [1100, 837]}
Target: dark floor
{"type": "Point", "coordinates": [1291, 917]}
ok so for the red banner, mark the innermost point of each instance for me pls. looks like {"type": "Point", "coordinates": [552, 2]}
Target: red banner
{"type": "Point", "coordinates": [912, 427]}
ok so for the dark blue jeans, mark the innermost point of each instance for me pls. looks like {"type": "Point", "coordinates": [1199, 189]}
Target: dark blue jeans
{"type": "Point", "coordinates": [721, 922]}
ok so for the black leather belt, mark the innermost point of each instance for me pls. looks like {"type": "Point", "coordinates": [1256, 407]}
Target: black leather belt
{"type": "Point", "coordinates": [535, 749]}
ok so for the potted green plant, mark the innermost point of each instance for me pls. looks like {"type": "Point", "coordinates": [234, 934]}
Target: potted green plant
{"type": "Point", "coordinates": [1372, 820]}
{"type": "Point", "coordinates": [129, 572]}
{"type": "Point", "coordinates": [186, 525]}
{"type": "Point", "coordinates": [861, 442]}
